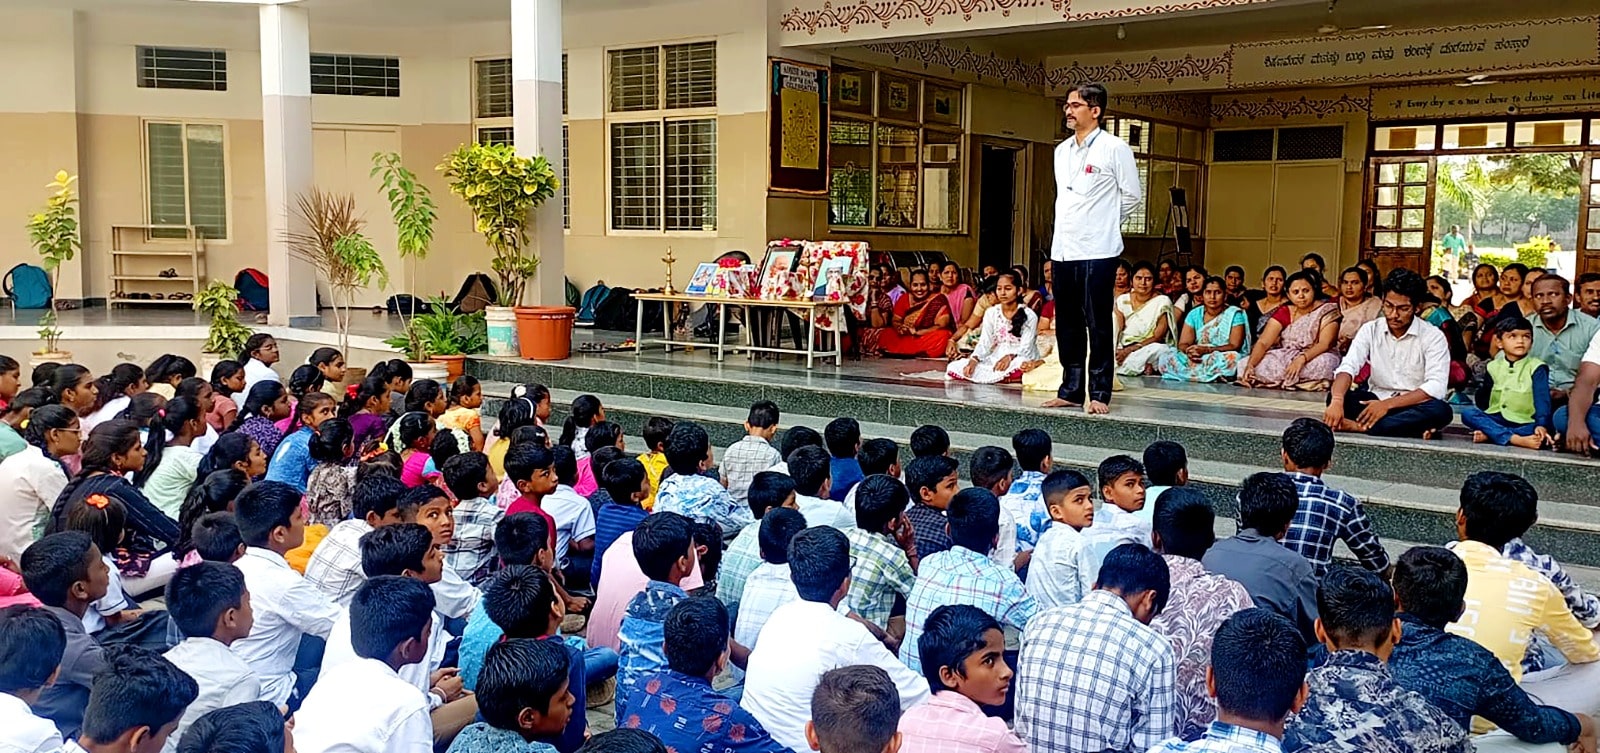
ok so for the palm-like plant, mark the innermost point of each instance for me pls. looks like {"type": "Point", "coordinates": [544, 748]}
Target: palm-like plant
{"type": "Point", "coordinates": [1464, 185]}
{"type": "Point", "coordinates": [332, 243]}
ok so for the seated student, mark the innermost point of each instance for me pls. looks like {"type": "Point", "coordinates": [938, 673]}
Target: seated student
{"type": "Point", "coordinates": [531, 468]}
{"type": "Point", "coordinates": [471, 551]}
{"type": "Point", "coordinates": [521, 541]}
{"type": "Point", "coordinates": [883, 559]}
{"type": "Point", "coordinates": [335, 565]}
{"type": "Point", "coordinates": [770, 586]}
{"type": "Point", "coordinates": [365, 705]}
{"type": "Point", "coordinates": [66, 573]}
{"type": "Point", "coordinates": [854, 710]}
{"type": "Point", "coordinates": [1053, 578]}
{"type": "Point", "coordinates": [573, 516]}
{"type": "Point", "coordinates": [626, 485]}
{"type": "Point", "coordinates": [1409, 375]}
{"type": "Point", "coordinates": [678, 703]}
{"type": "Point", "coordinates": [664, 545]}
{"type": "Point", "coordinates": [805, 638]}
{"type": "Point", "coordinates": [286, 606]}
{"type": "Point", "coordinates": [808, 466]}
{"type": "Point", "coordinates": [622, 580]}
{"type": "Point", "coordinates": [135, 703]}
{"type": "Point", "coordinates": [1352, 703]}
{"type": "Point", "coordinates": [964, 574]}
{"type": "Point", "coordinates": [1325, 515]}
{"type": "Point", "coordinates": [1167, 464]}
{"type": "Point", "coordinates": [843, 437]}
{"type": "Point", "coordinates": [32, 643]}
{"type": "Point", "coordinates": [991, 469]}
{"type": "Point", "coordinates": [1006, 336]}
{"type": "Point", "coordinates": [654, 457]}
{"type": "Point", "coordinates": [932, 481]}
{"type": "Point", "coordinates": [754, 452]}
{"type": "Point", "coordinates": [1513, 399]}
{"type": "Point", "coordinates": [878, 456]}
{"type": "Point", "coordinates": [1462, 678]}
{"type": "Point", "coordinates": [962, 652]}
{"type": "Point", "coordinates": [209, 603]}
{"type": "Point", "coordinates": [1025, 499]}
{"type": "Point", "coordinates": [1117, 521]}
{"type": "Point", "coordinates": [603, 435]}
{"type": "Point", "coordinates": [522, 603]}
{"type": "Point", "coordinates": [216, 538]}
{"type": "Point", "coordinates": [525, 697]}
{"type": "Point", "coordinates": [1276, 577]}
{"type": "Point", "coordinates": [1257, 677]}
{"type": "Point", "coordinates": [1579, 419]}
{"type": "Point", "coordinates": [1185, 528]}
{"type": "Point", "coordinates": [691, 494]}
{"type": "Point", "coordinates": [929, 440]}
{"type": "Point", "coordinates": [769, 490]}
{"type": "Point", "coordinates": [1094, 675]}
{"type": "Point", "coordinates": [624, 740]}
{"type": "Point", "coordinates": [254, 727]}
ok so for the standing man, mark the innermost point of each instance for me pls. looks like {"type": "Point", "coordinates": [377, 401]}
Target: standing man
{"type": "Point", "coordinates": [1097, 186]}
{"type": "Point", "coordinates": [1456, 247]}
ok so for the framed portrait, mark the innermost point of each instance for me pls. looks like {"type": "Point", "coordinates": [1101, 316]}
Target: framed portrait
{"type": "Point", "coordinates": [899, 98]}
{"type": "Point", "coordinates": [775, 271]}
{"type": "Point", "coordinates": [832, 271]}
{"type": "Point", "coordinates": [851, 90]}
{"type": "Point", "coordinates": [943, 104]}
{"type": "Point", "coordinates": [701, 279]}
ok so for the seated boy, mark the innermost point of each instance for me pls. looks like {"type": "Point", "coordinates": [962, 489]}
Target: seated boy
{"type": "Point", "coordinates": [883, 559]}
{"type": "Point", "coordinates": [626, 486]}
{"type": "Point", "coordinates": [31, 646]}
{"type": "Point", "coordinates": [335, 566]}
{"type": "Point", "coordinates": [1275, 577]}
{"type": "Point", "coordinates": [1257, 675]}
{"type": "Point", "coordinates": [932, 482]}
{"type": "Point", "coordinates": [1326, 515]}
{"type": "Point", "coordinates": [770, 586]}
{"type": "Point", "coordinates": [532, 469]}
{"type": "Point", "coordinates": [691, 494]}
{"type": "Point", "coordinates": [930, 441]}
{"type": "Point", "coordinates": [1053, 577]}
{"type": "Point", "coordinates": [522, 602]}
{"type": "Point", "coordinates": [135, 704]}
{"type": "Point", "coordinates": [843, 437]}
{"type": "Point", "coordinates": [472, 481]}
{"type": "Point", "coordinates": [365, 705]}
{"type": "Point", "coordinates": [209, 604]}
{"type": "Point", "coordinates": [992, 468]}
{"type": "Point", "coordinates": [854, 710]}
{"type": "Point", "coordinates": [1513, 399]}
{"type": "Point", "coordinates": [962, 650]}
{"type": "Point", "coordinates": [254, 727]}
{"type": "Point", "coordinates": [572, 514]}
{"type": "Point", "coordinates": [769, 490]}
{"type": "Point", "coordinates": [678, 703]}
{"type": "Point", "coordinates": [1024, 501]}
{"type": "Point", "coordinates": [664, 546]}
{"type": "Point", "coordinates": [525, 698]}
{"type": "Point", "coordinates": [1119, 520]}
{"type": "Point", "coordinates": [808, 466]}
{"type": "Point", "coordinates": [1167, 463]}
{"type": "Point", "coordinates": [655, 455]}
{"type": "Point", "coordinates": [878, 456]}
{"type": "Point", "coordinates": [216, 538]}
{"type": "Point", "coordinates": [753, 453]}
{"type": "Point", "coordinates": [66, 573]}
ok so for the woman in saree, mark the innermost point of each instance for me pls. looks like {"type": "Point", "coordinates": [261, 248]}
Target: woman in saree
{"type": "Point", "coordinates": [1357, 305]}
{"type": "Point", "coordinates": [880, 311]}
{"type": "Point", "coordinates": [1008, 340]}
{"type": "Point", "coordinates": [961, 297]}
{"type": "Point", "coordinates": [1215, 340]}
{"type": "Point", "coordinates": [1264, 302]}
{"type": "Point", "coordinates": [1144, 319]}
{"type": "Point", "coordinates": [1314, 261]}
{"type": "Point", "coordinates": [1296, 349]}
{"type": "Point", "coordinates": [921, 326]}
{"type": "Point", "coordinates": [1122, 284]}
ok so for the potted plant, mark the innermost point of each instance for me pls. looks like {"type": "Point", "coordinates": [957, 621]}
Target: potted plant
{"type": "Point", "coordinates": [332, 243]}
{"type": "Point", "coordinates": [225, 335]}
{"type": "Point", "coordinates": [445, 336]}
{"type": "Point", "coordinates": [411, 205]}
{"type": "Point", "coordinates": [502, 189]}
{"type": "Point", "coordinates": [54, 235]}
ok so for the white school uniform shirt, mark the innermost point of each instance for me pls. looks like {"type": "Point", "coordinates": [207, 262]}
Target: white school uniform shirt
{"type": "Point", "coordinates": [286, 606]}
{"type": "Point", "coordinates": [574, 519]}
{"type": "Point", "coordinates": [22, 732]}
{"type": "Point", "coordinates": [1420, 358]}
{"type": "Point", "coordinates": [341, 651]}
{"type": "Point", "coordinates": [363, 707]}
{"type": "Point", "coordinates": [32, 483]}
{"type": "Point", "coordinates": [106, 413]}
{"type": "Point", "coordinates": [224, 680]}
{"type": "Point", "coordinates": [1113, 527]}
{"type": "Point", "coordinates": [1053, 579]}
{"type": "Point", "coordinates": [819, 511]}
{"type": "Point", "coordinates": [115, 600]}
{"type": "Point", "coordinates": [255, 371]}
{"type": "Point", "coordinates": [1097, 185]}
{"type": "Point", "coordinates": [453, 596]}
{"type": "Point", "coordinates": [801, 641]}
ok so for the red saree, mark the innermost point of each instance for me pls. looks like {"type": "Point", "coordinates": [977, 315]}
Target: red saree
{"type": "Point", "coordinates": [917, 316]}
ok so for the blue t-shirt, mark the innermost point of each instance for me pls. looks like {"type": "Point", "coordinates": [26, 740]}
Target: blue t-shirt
{"type": "Point", "coordinates": [844, 473]}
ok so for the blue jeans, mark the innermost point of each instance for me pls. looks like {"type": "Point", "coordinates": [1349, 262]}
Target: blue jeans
{"type": "Point", "coordinates": [599, 664]}
{"type": "Point", "coordinates": [1494, 426]}
{"type": "Point", "coordinates": [1593, 420]}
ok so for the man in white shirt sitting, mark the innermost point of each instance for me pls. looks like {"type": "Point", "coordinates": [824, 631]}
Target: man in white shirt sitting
{"type": "Point", "coordinates": [209, 604]}
{"type": "Point", "coordinates": [365, 706]}
{"type": "Point", "coordinates": [1410, 370]}
{"type": "Point", "coordinates": [31, 645]}
{"type": "Point", "coordinates": [804, 639]}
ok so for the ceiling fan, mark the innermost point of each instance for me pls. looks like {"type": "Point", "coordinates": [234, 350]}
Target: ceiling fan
{"type": "Point", "coordinates": [1329, 28]}
{"type": "Point", "coordinates": [1476, 79]}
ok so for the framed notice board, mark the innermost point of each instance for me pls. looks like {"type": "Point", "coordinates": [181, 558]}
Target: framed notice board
{"type": "Point", "coordinates": [799, 128]}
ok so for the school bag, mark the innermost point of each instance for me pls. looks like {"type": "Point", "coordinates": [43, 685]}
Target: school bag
{"type": "Point", "coordinates": [589, 302]}
{"type": "Point", "coordinates": [252, 286]}
{"type": "Point", "coordinates": [28, 287]}
{"type": "Point", "coordinates": [476, 294]}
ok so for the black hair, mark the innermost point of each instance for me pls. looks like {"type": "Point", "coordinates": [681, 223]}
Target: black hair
{"type": "Point", "coordinates": [1311, 278]}
{"type": "Point", "coordinates": [1093, 94]}
{"type": "Point", "coordinates": [46, 419]}
{"type": "Point", "coordinates": [229, 450]}
{"type": "Point", "coordinates": [136, 688]}
{"type": "Point", "coordinates": [376, 495]}
{"type": "Point", "coordinates": [1430, 582]}
{"type": "Point", "coordinates": [305, 379]}
{"type": "Point", "coordinates": [164, 368]}
{"type": "Point", "coordinates": [417, 497]}
{"type": "Point", "coordinates": [1566, 287]}
{"type": "Point", "coordinates": [989, 466]}
{"type": "Point", "coordinates": [31, 398]}
{"type": "Point", "coordinates": [355, 400]}
{"type": "Point", "coordinates": [519, 538]}
{"type": "Point", "coordinates": [1316, 257]}
{"type": "Point", "coordinates": [880, 500]}
{"type": "Point", "coordinates": [530, 434]}
{"type": "Point", "coordinates": [198, 595]}
{"type": "Point", "coordinates": [1116, 467]}
{"type": "Point", "coordinates": [254, 727]}
{"type": "Point", "coordinates": [44, 373]}
{"type": "Point", "coordinates": [1020, 282]}
{"type": "Point", "coordinates": [115, 383]}
{"type": "Point", "coordinates": [566, 464]}
{"type": "Point", "coordinates": [256, 342]}
{"type": "Point", "coordinates": [1186, 522]}
{"type": "Point", "coordinates": [655, 432]}
{"type": "Point", "coordinates": [324, 356]}
{"type": "Point", "coordinates": [105, 523]}
{"type": "Point", "coordinates": [1308, 443]}
{"type": "Point", "coordinates": [223, 371]}
{"type": "Point", "coordinates": [52, 564]}
{"type": "Point", "coordinates": [1132, 569]}
{"type": "Point", "coordinates": [659, 541]}
{"type": "Point", "coordinates": [1498, 507]}
{"type": "Point", "coordinates": [66, 377]}
{"type": "Point", "coordinates": [1407, 284]}
{"type": "Point", "coordinates": [1258, 660]}
{"type": "Point", "coordinates": [1510, 322]}
{"type": "Point", "coordinates": [796, 437]}
{"type": "Point", "coordinates": [855, 709]}
{"type": "Point", "coordinates": [525, 458]}
{"type": "Point", "coordinates": [769, 490]}
{"type": "Point", "coordinates": [686, 448]}
{"type": "Point", "coordinates": [414, 426]}
{"type": "Point", "coordinates": [98, 450]}
{"type": "Point", "coordinates": [1275, 268]}
{"type": "Point", "coordinates": [585, 411]}
{"type": "Point", "coordinates": [602, 457]}
{"type": "Point", "coordinates": [709, 530]}
{"type": "Point", "coordinates": [392, 550]}
{"type": "Point", "coordinates": [381, 463]}
{"type": "Point", "coordinates": [462, 388]}
{"type": "Point", "coordinates": [1032, 446]}
{"type": "Point", "coordinates": [263, 508]}
{"type": "Point", "coordinates": [142, 408]}
{"type": "Point", "coordinates": [516, 414]}
{"type": "Point", "coordinates": [1231, 268]}
{"type": "Point", "coordinates": [216, 537]}
{"type": "Point", "coordinates": [819, 562]}
{"type": "Point", "coordinates": [602, 434]}
{"type": "Point", "coordinates": [464, 472]}
{"type": "Point", "coordinates": [333, 442]}
{"type": "Point", "coordinates": [385, 612]}
{"type": "Point", "coordinates": [622, 479]}
{"type": "Point", "coordinates": [974, 519]}
{"type": "Point", "coordinates": [1518, 267]}
{"type": "Point", "coordinates": [261, 395]}
{"type": "Point", "coordinates": [178, 411]}
{"type": "Point", "coordinates": [696, 635]}
{"type": "Point", "coordinates": [927, 471]}
{"type": "Point", "coordinates": [1267, 503]}
{"type": "Point", "coordinates": [950, 634]}
{"type": "Point", "coordinates": [521, 674]}
{"type": "Point", "coordinates": [307, 404]}
{"type": "Point", "coordinates": [763, 414]}
{"type": "Point", "coordinates": [623, 740]}
{"type": "Point", "coordinates": [777, 528]}
{"type": "Point", "coordinates": [809, 467]}
{"type": "Point", "coordinates": [422, 392]}
{"type": "Point", "coordinates": [878, 455]}
{"type": "Point", "coordinates": [1164, 459]}
{"type": "Point", "coordinates": [32, 643]}
{"type": "Point", "coordinates": [843, 437]}
{"type": "Point", "coordinates": [519, 599]}
{"type": "Point", "coordinates": [1355, 606]}
{"type": "Point", "coordinates": [392, 369]}
{"type": "Point", "coordinates": [1366, 281]}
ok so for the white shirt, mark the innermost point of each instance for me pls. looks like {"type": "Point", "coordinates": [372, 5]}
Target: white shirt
{"type": "Point", "coordinates": [1418, 359]}
{"type": "Point", "coordinates": [801, 641]}
{"type": "Point", "coordinates": [32, 483]}
{"type": "Point", "coordinates": [1053, 579]}
{"type": "Point", "coordinates": [286, 607]}
{"type": "Point", "coordinates": [203, 444]}
{"type": "Point", "coordinates": [1113, 527]}
{"type": "Point", "coordinates": [1097, 185]}
{"type": "Point", "coordinates": [363, 707]}
{"type": "Point", "coordinates": [106, 413]}
{"type": "Point", "coordinates": [574, 519]}
{"type": "Point", "coordinates": [1591, 355]}
{"type": "Point", "coordinates": [254, 371]}
{"type": "Point", "coordinates": [22, 732]}
{"type": "Point", "coordinates": [342, 651]}
{"type": "Point", "coordinates": [767, 589]}
{"type": "Point", "coordinates": [115, 600]}
{"type": "Point", "coordinates": [224, 680]}
{"type": "Point", "coordinates": [824, 512]}
{"type": "Point", "coordinates": [453, 596]}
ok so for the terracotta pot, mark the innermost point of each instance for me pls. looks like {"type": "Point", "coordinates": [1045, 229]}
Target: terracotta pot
{"type": "Point", "coordinates": [544, 333]}
{"type": "Point", "coordinates": [453, 365]}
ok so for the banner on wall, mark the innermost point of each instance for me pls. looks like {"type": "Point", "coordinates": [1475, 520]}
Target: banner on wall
{"type": "Point", "coordinates": [1488, 98]}
{"type": "Point", "coordinates": [799, 128]}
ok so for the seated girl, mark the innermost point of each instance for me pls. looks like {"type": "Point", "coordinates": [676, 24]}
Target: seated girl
{"type": "Point", "coordinates": [922, 324]}
{"type": "Point", "coordinates": [1296, 349]}
{"type": "Point", "coordinates": [1215, 340]}
{"type": "Point", "coordinates": [1009, 339]}
{"type": "Point", "coordinates": [969, 329]}
{"type": "Point", "coordinates": [1144, 317]}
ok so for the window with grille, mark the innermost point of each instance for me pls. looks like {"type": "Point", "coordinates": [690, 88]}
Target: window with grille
{"type": "Point", "coordinates": [183, 68]}
{"type": "Point", "coordinates": [492, 88]}
{"type": "Point", "coordinates": [496, 135]}
{"type": "Point", "coordinates": [1254, 145]}
{"type": "Point", "coordinates": [895, 152]}
{"type": "Point", "coordinates": [355, 75]}
{"type": "Point", "coordinates": [662, 135]}
{"type": "Point", "coordinates": [186, 178]}
{"type": "Point", "coordinates": [1168, 156]}
{"type": "Point", "coordinates": [1318, 142]}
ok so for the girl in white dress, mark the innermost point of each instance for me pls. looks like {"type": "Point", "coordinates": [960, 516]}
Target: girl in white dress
{"type": "Point", "coordinates": [1009, 339]}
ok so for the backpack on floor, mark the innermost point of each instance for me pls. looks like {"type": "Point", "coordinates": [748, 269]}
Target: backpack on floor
{"type": "Point", "coordinates": [589, 302]}
{"type": "Point", "coordinates": [252, 286]}
{"type": "Point", "coordinates": [28, 287]}
{"type": "Point", "coordinates": [617, 311]}
{"type": "Point", "coordinates": [476, 294]}
{"type": "Point", "coordinates": [406, 303]}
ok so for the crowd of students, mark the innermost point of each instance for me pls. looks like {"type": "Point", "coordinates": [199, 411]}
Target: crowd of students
{"type": "Point", "coordinates": [408, 583]}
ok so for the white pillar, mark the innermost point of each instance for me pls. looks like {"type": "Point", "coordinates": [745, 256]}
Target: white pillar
{"type": "Point", "coordinates": [536, 102]}
{"type": "Point", "coordinates": [286, 138]}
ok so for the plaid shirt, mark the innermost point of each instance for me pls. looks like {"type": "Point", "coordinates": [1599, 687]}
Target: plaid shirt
{"type": "Point", "coordinates": [928, 526]}
{"type": "Point", "coordinates": [741, 559]}
{"type": "Point", "coordinates": [702, 499]}
{"type": "Point", "coordinates": [335, 566]}
{"type": "Point", "coordinates": [1222, 737]}
{"type": "Point", "coordinates": [1093, 678]}
{"type": "Point", "coordinates": [879, 569]}
{"type": "Point", "coordinates": [768, 588]}
{"type": "Point", "coordinates": [471, 551]}
{"type": "Point", "coordinates": [743, 460]}
{"type": "Point", "coordinates": [1025, 502]}
{"type": "Point", "coordinates": [1326, 515]}
{"type": "Point", "coordinates": [962, 576]}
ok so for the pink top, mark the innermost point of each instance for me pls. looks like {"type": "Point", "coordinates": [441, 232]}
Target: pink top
{"type": "Point", "coordinates": [957, 298]}
{"type": "Point", "coordinates": [412, 471]}
{"type": "Point", "coordinates": [620, 581]}
{"type": "Point", "coordinates": [13, 592]}
{"type": "Point", "coordinates": [586, 482]}
{"type": "Point", "coordinates": [952, 723]}
{"type": "Point", "coordinates": [220, 407]}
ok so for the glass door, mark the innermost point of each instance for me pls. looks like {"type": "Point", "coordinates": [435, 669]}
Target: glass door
{"type": "Point", "coordinates": [1589, 215]}
{"type": "Point", "coordinates": [1395, 230]}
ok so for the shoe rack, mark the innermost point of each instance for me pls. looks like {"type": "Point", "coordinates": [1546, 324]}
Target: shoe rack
{"type": "Point", "coordinates": [156, 264]}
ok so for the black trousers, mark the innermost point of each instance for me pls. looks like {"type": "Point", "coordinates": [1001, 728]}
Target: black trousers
{"type": "Point", "coordinates": [1083, 327]}
{"type": "Point", "coordinates": [1412, 421]}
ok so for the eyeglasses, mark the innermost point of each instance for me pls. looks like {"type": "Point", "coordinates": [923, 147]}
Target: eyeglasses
{"type": "Point", "coordinates": [1402, 309]}
{"type": "Point", "coordinates": [1074, 105]}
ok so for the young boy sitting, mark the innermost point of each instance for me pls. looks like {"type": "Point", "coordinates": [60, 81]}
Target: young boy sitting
{"type": "Point", "coordinates": [1024, 501]}
{"type": "Point", "coordinates": [135, 704]}
{"type": "Point", "coordinates": [809, 467]}
{"type": "Point", "coordinates": [843, 437]}
{"type": "Point", "coordinates": [854, 710]}
{"type": "Point", "coordinates": [572, 514]}
{"type": "Point", "coordinates": [963, 656]}
{"type": "Point", "coordinates": [769, 491]}
{"type": "Point", "coordinates": [1118, 521]}
{"type": "Point", "coordinates": [770, 586]}
{"type": "Point", "coordinates": [932, 481]}
{"type": "Point", "coordinates": [1513, 400]}
{"type": "Point", "coordinates": [520, 539]}
{"type": "Point", "coordinates": [209, 604]}
{"type": "Point", "coordinates": [883, 560]}
{"type": "Point", "coordinates": [522, 602]}
{"type": "Point", "coordinates": [626, 485]}
{"type": "Point", "coordinates": [254, 727]}
{"type": "Point", "coordinates": [1168, 465]}
{"type": "Point", "coordinates": [216, 538]}
{"type": "Point", "coordinates": [691, 494]}
{"type": "Point", "coordinates": [525, 698]}
{"type": "Point", "coordinates": [878, 457]}
{"type": "Point", "coordinates": [365, 704]}
{"type": "Point", "coordinates": [1325, 514]}
{"type": "Point", "coordinates": [664, 546]}
{"type": "Point", "coordinates": [754, 452]}
{"type": "Point", "coordinates": [992, 468]}
{"type": "Point", "coordinates": [1053, 576]}
{"type": "Point", "coordinates": [532, 468]}
{"type": "Point", "coordinates": [655, 456]}
{"type": "Point", "coordinates": [66, 573]}
{"type": "Point", "coordinates": [31, 645]}
{"type": "Point", "coordinates": [930, 441]}
{"type": "Point", "coordinates": [472, 481]}
{"type": "Point", "coordinates": [335, 566]}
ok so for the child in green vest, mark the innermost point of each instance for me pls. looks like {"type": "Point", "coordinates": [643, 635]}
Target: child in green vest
{"type": "Point", "coordinates": [1514, 398]}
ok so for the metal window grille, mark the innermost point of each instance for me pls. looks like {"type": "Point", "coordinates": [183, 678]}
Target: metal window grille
{"type": "Point", "coordinates": [493, 87]}
{"type": "Point", "coordinates": [185, 164]}
{"type": "Point", "coordinates": [849, 182]}
{"type": "Point", "coordinates": [1316, 142]}
{"type": "Point", "coordinates": [636, 176]}
{"type": "Point", "coordinates": [566, 172]}
{"type": "Point", "coordinates": [691, 75]}
{"type": "Point", "coordinates": [355, 75]}
{"type": "Point", "coordinates": [1254, 145]}
{"type": "Point", "coordinates": [635, 79]}
{"type": "Point", "coordinates": [183, 68]}
{"type": "Point", "coordinates": [691, 174]}
{"type": "Point", "coordinates": [496, 135]}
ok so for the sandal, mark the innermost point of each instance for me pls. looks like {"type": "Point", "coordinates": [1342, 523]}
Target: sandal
{"type": "Point", "coordinates": [169, 272]}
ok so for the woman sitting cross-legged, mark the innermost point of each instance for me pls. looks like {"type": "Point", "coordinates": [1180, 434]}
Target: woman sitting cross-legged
{"type": "Point", "coordinates": [1144, 317]}
{"type": "Point", "coordinates": [1009, 339]}
{"type": "Point", "coordinates": [1215, 339]}
{"type": "Point", "coordinates": [922, 324]}
{"type": "Point", "coordinates": [1296, 349]}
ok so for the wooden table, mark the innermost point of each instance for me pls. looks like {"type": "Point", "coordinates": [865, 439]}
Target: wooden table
{"type": "Point", "coordinates": [811, 308]}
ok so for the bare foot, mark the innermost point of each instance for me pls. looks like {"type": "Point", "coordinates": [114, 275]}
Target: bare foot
{"type": "Point", "coordinates": [1479, 437]}
{"type": "Point", "coordinates": [1432, 434]}
{"type": "Point", "coordinates": [1056, 402]}
{"type": "Point", "coordinates": [1529, 442]}
{"type": "Point", "coordinates": [1097, 408]}
{"type": "Point", "coordinates": [1351, 426]}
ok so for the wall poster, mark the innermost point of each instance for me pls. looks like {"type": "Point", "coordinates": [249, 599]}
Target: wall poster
{"type": "Point", "coordinates": [799, 128]}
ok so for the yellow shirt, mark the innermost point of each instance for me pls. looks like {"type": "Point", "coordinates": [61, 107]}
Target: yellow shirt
{"type": "Point", "coordinates": [1507, 601]}
{"type": "Point", "coordinates": [497, 456]}
{"type": "Point", "coordinates": [654, 464]}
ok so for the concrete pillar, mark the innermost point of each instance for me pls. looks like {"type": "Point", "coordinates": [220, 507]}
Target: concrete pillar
{"type": "Point", "coordinates": [286, 138]}
{"type": "Point", "coordinates": [536, 103]}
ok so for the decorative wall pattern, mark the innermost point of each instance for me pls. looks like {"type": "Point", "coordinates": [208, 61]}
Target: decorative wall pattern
{"type": "Point", "coordinates": [1194, 109]}
{"type": "Point", "coordinates": [838, 18]}
{"type": "Point", "coordinates": [1252, 108]}
{"type": "Point", "coordinates": [846, 15]}
{"type": "Point", "coordinates": [980, 65]}
{"type": "Point", "coordinates": [1209, 69]}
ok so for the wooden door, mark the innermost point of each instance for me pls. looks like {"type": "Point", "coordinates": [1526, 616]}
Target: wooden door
{"type": "Point", "coordinates": [1308, 201]}
{"type": "Point", "coordinates": [1589, 215]}
{"type": "Point", "coordinates": [1397, 227]}
{"type": "Point", "coordinates": [343, 164]}
{"type": "Point", "coordinates": [1239, 212]}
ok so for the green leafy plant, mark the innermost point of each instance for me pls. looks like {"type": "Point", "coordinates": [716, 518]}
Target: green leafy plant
{"type": "Point", "coordinates": [441, 331]}
{"type": "Point", "coordinates": [1535, 254]}
{"type": "Point", "coordinates": [502, 188]}
{"type": "Point", "coordinates": [54, 235]}
{"type": "Point", "coordinates": [226, 334]}
{"type": "Point", "coordinates": [332, 243]}
{"type": "Point", "coordinates": [411, 205]}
